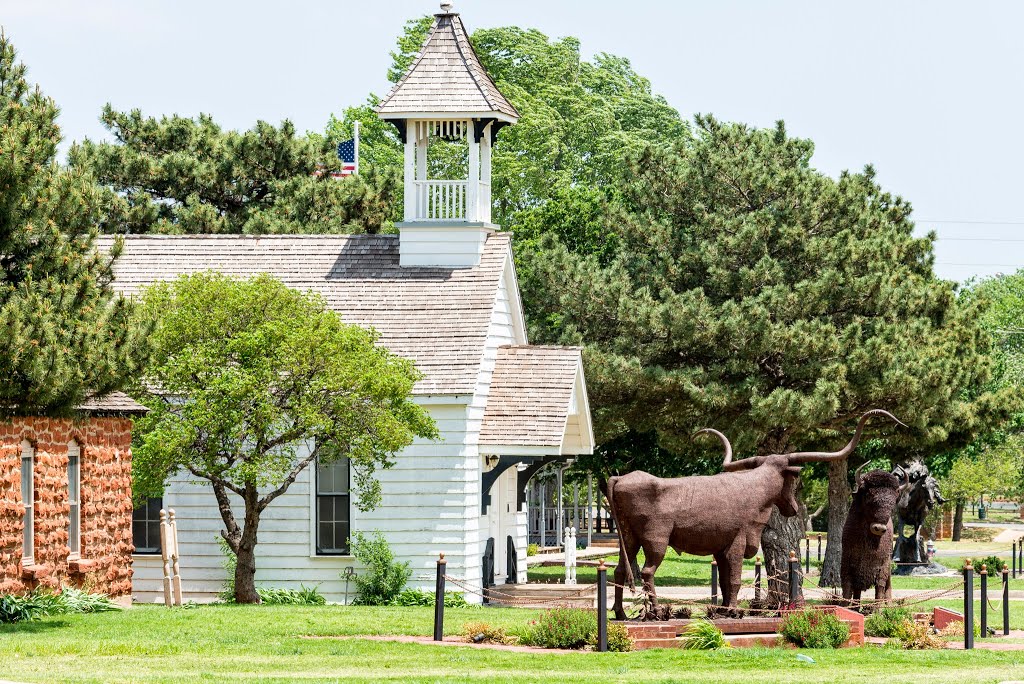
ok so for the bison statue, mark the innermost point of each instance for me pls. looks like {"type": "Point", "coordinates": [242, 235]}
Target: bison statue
{"type": "Point", "coordinates": [713, 515]}
{"type": "Point", "coordinates": [867, 535]}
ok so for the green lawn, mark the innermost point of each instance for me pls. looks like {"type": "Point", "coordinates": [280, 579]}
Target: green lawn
{"type": "Point", "coordinates": [265, 644]}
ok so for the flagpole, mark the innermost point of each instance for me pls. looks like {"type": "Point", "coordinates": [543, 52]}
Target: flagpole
{"type": "Point", "coordinates": [356, 127]}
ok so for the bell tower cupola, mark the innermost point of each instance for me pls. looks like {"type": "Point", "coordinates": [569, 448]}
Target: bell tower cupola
{"type": "Point", "coordinates": [447, 111]}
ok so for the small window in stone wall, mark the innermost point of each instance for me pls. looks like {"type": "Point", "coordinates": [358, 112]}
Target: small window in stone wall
{"type": "Point", "coordinates": [74, 499]}
{"type": "Point", "coordinates": [146, 526]}
{"type": "Point", "coordinates": [28, 455]}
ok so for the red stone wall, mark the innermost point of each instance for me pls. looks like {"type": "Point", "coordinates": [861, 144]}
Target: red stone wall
{"type": "Point", "coordinates": [106, 506]}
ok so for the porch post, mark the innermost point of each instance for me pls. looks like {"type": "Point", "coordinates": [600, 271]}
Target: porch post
{"type": "Point", "coordinates": [558, 525]}
{"type": "Point", "coordinates": [590, 509]}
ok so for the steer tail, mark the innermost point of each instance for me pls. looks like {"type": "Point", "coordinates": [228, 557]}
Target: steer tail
{"type": "Point", "coordinates": [619, 530]}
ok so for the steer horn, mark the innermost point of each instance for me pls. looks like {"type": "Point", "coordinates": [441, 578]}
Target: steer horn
{"type": "Point", "coordinates": [725, 442]}
{"type": "Point", "coordinates": [819, 456]}
{"type": "Point", "coordinates": [858, 479]}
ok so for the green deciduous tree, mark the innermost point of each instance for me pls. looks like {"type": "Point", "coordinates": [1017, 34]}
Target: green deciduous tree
{"type": "Point", "coordinates": [994, 470]}
{"type": "Point", "coordinates": [64, 334]}
{"type": "Point", "coordinates": [256, 382]}
{"type": "Point", "coordinates": [754, 294]}
{"type": "Point", "coordinates": [579, 121]}
{"type": "Point", "coordinates": [180, 175]}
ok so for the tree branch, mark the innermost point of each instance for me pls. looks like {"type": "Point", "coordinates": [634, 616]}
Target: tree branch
{"type": "Point", "coordinates": [299, 467]}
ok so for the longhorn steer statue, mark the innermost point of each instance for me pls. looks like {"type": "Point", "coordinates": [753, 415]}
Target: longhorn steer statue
{"type": "Point", "coordinates": [714, 515]}
{"type": "Point", "coordinates": [867, 535]}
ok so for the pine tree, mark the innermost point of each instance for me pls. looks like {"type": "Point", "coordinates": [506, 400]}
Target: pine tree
{"type": "Point", "coordinates": [753, 294]}
{"type": "Point", "coordinates": [180, 175]}
{"type": "Point", "coordinates": [64, 334]}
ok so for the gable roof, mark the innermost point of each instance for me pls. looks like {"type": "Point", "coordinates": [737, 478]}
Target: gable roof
{"type": "Point", "coordinates": [113, 403]}
{"type": "Point", "coordinates": [437, 317]}
{"type": "Point", "coordinates": [535, 391]}
{"type": "Point", "coordinates": [446, 76]}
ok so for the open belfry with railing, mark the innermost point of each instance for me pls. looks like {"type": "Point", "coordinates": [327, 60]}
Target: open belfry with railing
{"type": "Point", "coordinates": [448, 112]}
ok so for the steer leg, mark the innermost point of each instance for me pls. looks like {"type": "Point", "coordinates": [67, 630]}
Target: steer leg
{"type": "Point", "coordinates": [653, 556]}
{"type": "Point", "coordinates": [730, 571]}
{"type": "Point", "coordinates": [626, 562]}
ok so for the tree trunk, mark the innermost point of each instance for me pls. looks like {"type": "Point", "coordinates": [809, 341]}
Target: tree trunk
{"type": "Point", "coordinates": [781, 536]}
{"type": "Point", "coordinates": [958, 520]}
{"type": "Point", "coordinates": [838, 507]}
{"type": "Point", "coordinates": [245, 556]}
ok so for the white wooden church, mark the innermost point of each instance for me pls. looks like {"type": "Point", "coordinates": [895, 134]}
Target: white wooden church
{"type": "Point", "coordinates": [443, 293]}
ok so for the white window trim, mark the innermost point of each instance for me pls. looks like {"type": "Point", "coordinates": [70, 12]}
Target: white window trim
{"type": "Point", "coordinates": [28, 551]}
{"type": "Point", "coordinates": [311, 469]}
{"type": "Point", "coordinates": [75, 553]}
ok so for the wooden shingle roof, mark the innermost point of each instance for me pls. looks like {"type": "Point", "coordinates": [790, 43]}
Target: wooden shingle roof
{"type": "Point", "coordinates": [446, 77]}
{"type": "Point", "coordinates": [437, 317]}
{"type": "Point", "coordinates": [113, 403]}
{"type": "Point", "coordinates": [531, 396]}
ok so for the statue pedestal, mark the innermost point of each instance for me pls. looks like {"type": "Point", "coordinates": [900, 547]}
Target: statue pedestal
{"type": "Point", "coordinates": [919, 569]}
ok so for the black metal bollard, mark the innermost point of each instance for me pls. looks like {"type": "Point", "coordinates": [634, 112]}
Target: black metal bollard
{"type": "Point", "coordinates": [602, 607]}
{"type": "Point", "coordinates": [1020, 554]}
{"type": "Point", "coordinates": [968, 605]}
{"type": "Point", "coordinates": [984, 600]}
{"type": "Point", "coordinates": [439, 600]}
{"type": "Point", "coordinates": [794, 578]}
{"type": "Point", "coordinates": [1006, 601]}
{"type": "Point", "coordinates": [819, 548]}
{"type": "Point", "coordinates": [1013, 559]}
{"type": "Point", "coordinates": [714, 583]}
{"type": "Point", "coordinates": [757, 579]}
{"type": "Point", "coordinates": [807, 554]}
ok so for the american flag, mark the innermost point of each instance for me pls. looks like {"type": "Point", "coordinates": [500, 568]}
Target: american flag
{"type": "Point", "coordinates": [347, 155]}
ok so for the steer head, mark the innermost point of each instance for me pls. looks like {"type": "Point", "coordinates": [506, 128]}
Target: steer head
{"type": "Point", "coordinates": [788, 465]}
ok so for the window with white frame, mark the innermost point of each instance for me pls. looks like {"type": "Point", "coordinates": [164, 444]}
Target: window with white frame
{"type": "Point", "coordinates": [333, 521]}
{"type": "Point", "coordinates": [146, 526]}
{"type": "Point", "coordinates": [74, 499]}
{"type": "Point", "coordinates": [28, 455]}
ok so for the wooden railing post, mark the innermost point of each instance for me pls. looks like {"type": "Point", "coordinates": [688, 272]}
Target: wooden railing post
{"type": "Point", "coordinates": [602, 606]}
{"type": "Point", "coordinates": [968, 605]}
{"type": "Point", "coordinates": [794, 578]}
{"type": "Point", "coordinates": [757, 578]}
{"type": "Point", "coordinates": [984, 600]}
{"type": "Point", "coordinates": [439, 599]}
{"type": "Point", "coordinates": [1006, 601]}
{"type": "Point", "coordinates": [714, 582]}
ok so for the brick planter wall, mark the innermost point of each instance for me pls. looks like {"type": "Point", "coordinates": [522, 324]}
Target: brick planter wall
{"type": "Point", "coordinates": [106, 507]}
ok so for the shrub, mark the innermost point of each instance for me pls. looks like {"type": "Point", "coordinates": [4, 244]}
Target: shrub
{"type": "Point", "coordinates": [414, 597]}
{"type": "Point", "coordinates": [384, 578]}
{"type": "Point", "coordinates": [619, 640]}
{"type": "Point", "coordinates": [453, 599]}
{"type": "Point", "coordinates": [14, 608]}
{"type": "Point", "coordinates": [887, 621]}
{"type": "Point", "coordinates": [561, 628]}
{"type": "Point", "coordinates": [814, 629]}
{"type": "Point", "coordinates": [702, 635]}
{"type": "Point", "coordinates": [956, 629]}
{"type": "Point", "coordinates": [532, 549]}
{"type": "Point", "coordinates": [37, 603]}
{"type": "Point", "coordinates": [994, 566]}
{"type": "Point", "coordinates": [917, 637]}
{"type": "Point", "coordinates": [483, 633]}
{"type": "Point", "coordinates": [304, 596]}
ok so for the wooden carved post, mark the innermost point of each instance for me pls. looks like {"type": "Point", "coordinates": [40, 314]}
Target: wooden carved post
{"type": "Point", "coordinates": [602, 606]}
{"type": "Point", "coordinates": [570, 555]}
{"type": "Point", "coordinates": [172, 533]}
{"type": "Point", "coordinates": [439, 599]}
{"type": "Point", "coordinates": [165, 546]}
{"type": "Point", "coordinates": [968, 605]}
{"type": "Point", "coordinates": [714, 583]}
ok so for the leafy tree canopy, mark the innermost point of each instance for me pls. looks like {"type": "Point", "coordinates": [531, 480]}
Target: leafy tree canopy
{"type": "Point", "coordinates": [64, 334]}
{"type": "Point", "coordinates": [580, 120]}
{"type": "Point", "coordinates": [181, 175]}
{"type": "Point", "coordinates": [256, 382]}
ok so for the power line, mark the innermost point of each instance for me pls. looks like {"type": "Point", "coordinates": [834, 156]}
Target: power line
{"type": "Point", "coordinates": [951, 263]}
{"type": "Point", "coordinates": [982, 239]}
{"type": "Point", "coordinates": [975, 223]}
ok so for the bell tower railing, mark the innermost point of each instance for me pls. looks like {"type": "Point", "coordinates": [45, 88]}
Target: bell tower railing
{"type": "Point", "coordinates": [435, 200]}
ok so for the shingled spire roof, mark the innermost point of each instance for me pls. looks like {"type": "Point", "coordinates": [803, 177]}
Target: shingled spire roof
{"type": "Point", "coordinates": [446, 77]}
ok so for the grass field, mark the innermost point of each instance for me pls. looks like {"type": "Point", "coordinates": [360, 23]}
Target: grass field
{"type": "Point", "coordinates": [266, 644]}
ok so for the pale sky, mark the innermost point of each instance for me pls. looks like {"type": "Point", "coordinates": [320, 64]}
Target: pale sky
{"type": "Point", "coordinates": [929, 92]}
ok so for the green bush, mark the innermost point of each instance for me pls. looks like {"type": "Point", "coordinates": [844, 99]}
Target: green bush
{"type": "Point", "coordinates": [994, 566]}
{"type": "Point", "coordinates": [419, 597]}
{"type": "Point", "coordinates": [304, 596]}
{"type": "Point", "coordinates": [619, 640]}
{"type": "Point", "coordinates": [887, 622]}
{"type": "Point", "coordinates": [383, 578]}
{"type": "Point", "coordinates": [14, 608]}
{"type": "Point", "coordinates": [702, 635]}
{"type": "Point", "coordinates": [814, 629]}
{"type": "Point", "coordinates": [532, 549]}
{"type": "Point", "coordinates": [561, 628]}
{"type": "Point", "coordinates": [38, 603]}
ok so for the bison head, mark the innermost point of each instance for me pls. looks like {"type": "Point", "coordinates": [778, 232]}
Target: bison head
{"type": "Point", "coordinates": [788, 464]}
{"type": "Point", "coordinates": [874, 497]}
